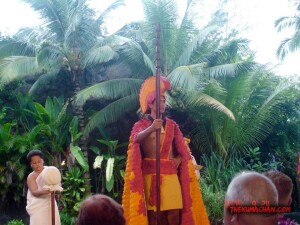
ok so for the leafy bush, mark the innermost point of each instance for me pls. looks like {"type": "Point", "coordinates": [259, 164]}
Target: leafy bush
{"type": "Point", "coordinates": [215, 178]}
{"type": "Point", "coordinates": [75, 191]}
{"type": "Point", "coordinates": [109, 168]}
{"type": "Point", "coordinates": [15, 222]}
{"type": "Point", "coordinates": [218, 172]}
{"type": "Point", "coordinates": [213, 202]}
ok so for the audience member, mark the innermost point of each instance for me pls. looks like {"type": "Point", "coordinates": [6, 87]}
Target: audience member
{"type": "Point", "coordinates": [100, 210]}
{"type": "Point", "coordinates": [250, 189]}
{"type": "Point", "coordinates": [284, 186]}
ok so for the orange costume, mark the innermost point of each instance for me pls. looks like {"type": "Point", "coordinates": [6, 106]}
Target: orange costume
{"type": "Point", "coordinates": [179, 185]}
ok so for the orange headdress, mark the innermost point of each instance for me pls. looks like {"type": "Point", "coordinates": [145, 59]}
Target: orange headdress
{"type": "Point", "coordinates": [148, 94]}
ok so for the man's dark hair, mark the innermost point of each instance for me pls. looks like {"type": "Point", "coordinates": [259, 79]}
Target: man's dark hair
{"type": "Point", "coordinates": [33, 153]}
{"type": "Point", "coordinates": [101, 210]}
{"type": "Point", "coordinates": [283, 184]}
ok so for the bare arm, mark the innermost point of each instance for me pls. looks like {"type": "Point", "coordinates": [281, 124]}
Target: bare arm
{"type": "Point", "coordinates": [157, 123]}
{"type": "Point", "coordinates": [32, 186]}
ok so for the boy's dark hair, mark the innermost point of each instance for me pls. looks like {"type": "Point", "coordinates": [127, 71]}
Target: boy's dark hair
{"type": "Point", "coordinates": [33, 153]}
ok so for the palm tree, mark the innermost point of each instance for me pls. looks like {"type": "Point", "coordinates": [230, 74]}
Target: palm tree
{"type": "Point", "coordinates": [61, 51]}
{"type": "Point", "coordinates": [256, 99]}
{"type": "Point", "coordinates": [292, 43]}
{"type": "Point", "coordinates": [187, 59]}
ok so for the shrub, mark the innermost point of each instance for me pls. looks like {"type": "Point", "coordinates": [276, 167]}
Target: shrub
{"type": "Point", "coordinates": [15, 222]}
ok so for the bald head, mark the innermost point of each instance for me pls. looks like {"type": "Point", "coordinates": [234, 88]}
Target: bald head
{"type": "Point", "coordinates": [245, 189]}
{"type": "Point", "coordinates": [251, 186]}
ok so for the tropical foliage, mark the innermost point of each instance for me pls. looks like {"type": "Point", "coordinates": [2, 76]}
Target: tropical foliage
{"type": "Point", "coordinates": [35, 127]}
{"type": "Point", "coordinates": [290, 44]}
{"type": "Point", "coordinates": [75, 191]}
{"type": "Point", "coordinates": [59, 52]}
{"type": "Point", "coordinates": [83, 88]}
{"type": "Point", "coordinates": [109, 168]}
{"type": "Point", "coordinates": [15, 222]}
{"type": "Point", "coordinates": [70, 39]}
{"type": "Point", "coordinates": [188, 57]}
{"type": "Point", "coordinates": [255, 98]}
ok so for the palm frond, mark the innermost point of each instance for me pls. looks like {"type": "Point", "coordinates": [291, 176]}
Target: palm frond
{"type": "Point", "coordinates": [201, 137]}
{"type": "Point", "coordinates": [284, 22]}
{"type": "Point", "coordinates": [111, 89]}
{"type": "Point", "coordinates": [20, 170]}
{"type": "Point", "coordinates": [112, 112]}
{"type": "Point", "coordinates": [50, 57]}
{"type": "Point", "coordinates": [166, 14]}
{"type": "Point", "coordinates": [43, 81]}
{"type": "Point", "coordinates": [55, 12]}
{"type": "Point", "coordinates": [97, 55]}
{"type": "Point", "coordinates": [187, 20]}
{"type": "Point", "coordinates": [35, 131]}
{"type": "Point", "coordinates": [288, 45]}
{"type": "Point", "coordinates": [283, 49]}
{"type": "Point", "coordinates": [283, 86]}
{"type": "Point", "coordinates": [257, 128]}
{"type": "Point", "coordinates": [33, 37]}
{"type": "Point", "coordinates": [10, 47]}
{"type": "Point", "coordinates": [61, 117]}
{"type": "Point", "coordinates": [193, 98]}
{"type": "Point", "coordinates": [261, 108]}
{"type": "Point", "coordinates": [215, 89]}
{"type": "Point", "coordinates": [15, 67]}
{"type": "Point", "coordinates": [232, 69]}
{"type": "Point", "coordinates": [196, 42]}
{"type": "Point", "coordinates": [116, 4]}
{"type": "Point", "coordinates": [186, 77]}
{"type": "Point", "coordinates": [185, 34]}
{"type": "Point", "coordinates": [80, 34]}
{"type": "Point", "coordinates": [132, 53]}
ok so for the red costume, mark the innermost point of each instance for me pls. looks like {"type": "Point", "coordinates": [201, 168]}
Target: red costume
{"type": "Point", "coordinates": [140, 176]}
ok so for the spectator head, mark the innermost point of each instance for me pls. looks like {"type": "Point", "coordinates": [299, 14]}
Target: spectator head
{"type": "Point", "coordinates": [100, 210]}
{"type": "Point", "coordinates": [247, 189]}
{"type": "Point", "coordinates": [284, 186]}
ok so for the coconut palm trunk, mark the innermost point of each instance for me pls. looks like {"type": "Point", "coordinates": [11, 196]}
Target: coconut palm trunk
{"type": "Point", "coordinates": [79, 112]}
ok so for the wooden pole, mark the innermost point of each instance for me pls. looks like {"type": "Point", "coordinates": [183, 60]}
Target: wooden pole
{"type": "Point", "coordinates": [158, 115]}
{"type": "Point", "coordinates": [52, 208]}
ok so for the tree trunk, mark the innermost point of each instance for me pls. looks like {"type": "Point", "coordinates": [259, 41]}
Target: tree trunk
{"type": "Point", "coordinates": [82, 143]}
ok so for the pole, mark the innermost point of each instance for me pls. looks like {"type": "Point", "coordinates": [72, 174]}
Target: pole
{"type": "Point", "coordinates": [52, 208]}
{"type": "Point", "coordinates": [157, 91]}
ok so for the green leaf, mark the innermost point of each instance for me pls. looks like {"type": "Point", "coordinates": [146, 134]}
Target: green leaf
{"type": "Point", "coordinates": [122, 172]}
{"type": "Point", "coordinates": [112, 145]}
{"type": "Point", "coordinates": [110, 184]}
{"type": "Point", "coordinates": [76, 151]}
{"type": "Point", "coordinates": [74, 126]}
{"type": "Point", "coordinates": [95, 149]}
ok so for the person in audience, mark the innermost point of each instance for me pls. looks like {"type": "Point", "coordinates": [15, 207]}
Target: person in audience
{"type": "Point", "coordinates": [284, 186]}
{"type": "Point", "coordinates": [250, 189]}
{"type": "Point", "coordinates": [100, 210]}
